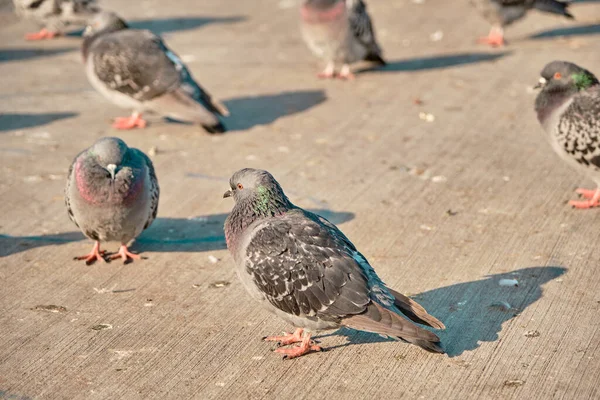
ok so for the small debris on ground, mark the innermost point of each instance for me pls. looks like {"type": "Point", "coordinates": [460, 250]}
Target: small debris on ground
{"type": "Point", "coordinates": [502, 306]}
{"type": "Point", "coordinates": [514, 382]}
{"type": "Point", "coordinates": [451, 213]}
{"type": "Point", "coordinates": [508, 282]}
{"type": "Point", "coordinates": [439, 179]}
{"type": "Point", "coordinates": [426, 116]}
{"type": "Point", "coordinates": [153, 151]}
{"type": "Point", "coordinates": [532, 334]}
{"type": "Point", "coordinates": [101, 327]}
{"type": "Point", "coordinates": [50, 308]}
{"type": "Point", "coordinates": [219, 284]}
{"type": "Point", "coordinates": [213, 259]}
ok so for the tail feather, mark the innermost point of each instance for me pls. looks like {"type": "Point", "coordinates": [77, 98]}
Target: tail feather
{"type": "Point", "coordinates": [375, 57]}
{"type": "Point", "coordinates": [554, 7]}
{"type": "Point", "coordinates": [414, 311]}
{"type": "Point", "coordinates": [379, 320]}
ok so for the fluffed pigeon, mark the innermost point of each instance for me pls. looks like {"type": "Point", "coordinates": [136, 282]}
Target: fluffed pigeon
{"type": "Point", "coordinates": [568, 107]}
{"type": "Point", "coordinates": [111, 195]}
{"type": "Point", "coordinates": [339, 31]}
{"type": "Point", "coordinates": [501, 13]}
{"type": "Point", "coordinates": [55, 16]}
{"type": "Point", "coordinates": [136, 70]}
{"type": "Point", "coordinates": [302, 267]}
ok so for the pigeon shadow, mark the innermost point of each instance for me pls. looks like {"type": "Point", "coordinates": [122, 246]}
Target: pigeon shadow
{"type": "Point", "coordinates": [251, 111]}
{"type": "Point", "coordinates": [436, 62]}
{"type": "Point", "coordinates": [201, 233]}
{"type": "Point", "coordinates": [16, 244]}
{"type": "Point", "coordinates": [592, 29]}
{"type": "Point", "coordinates": [474, 312]}
{"type": "Point", "coordinates": [7, 55]}
{"type": "Point", "coordinates": [160, 26]}
{"type": "Point", "coordinates": [9, 122]}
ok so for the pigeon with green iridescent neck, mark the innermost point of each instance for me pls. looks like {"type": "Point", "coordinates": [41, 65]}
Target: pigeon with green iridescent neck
{"type": "Point", "coordinates": [111, 195]}
{"type": "Point", "coordinates": [568, 107]}
{"type": "Point", "coordinates": [305, 270]}
{"type": "Point", "coordinates": [55, 16]}
{"type": "Point", "coordinates": [339, 31]}
{"type": "Point", "coordinates": [501, 13]}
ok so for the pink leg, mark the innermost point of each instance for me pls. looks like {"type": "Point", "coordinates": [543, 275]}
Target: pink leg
{"type": "Point", "coordinates": [41, 35]}
{"type": "Point", "coordinates": [131, 122]}
{"type": "Point", "coordinates": [125, 255]}
{"type": "Point", "coordinates": [305, 347]}
{"type": "Point", "coordinates": [495, 37]}
{"type": "Point", "coordinates": [346, 74]}
{"type": "Point", "coordinates": [287, 338]}
{"type": "Point", "coordinates": [328, 72]}
{"type": "Point", "coordinates": [94, 255]}
{"type": "Point", "coordinates": [592, 199]}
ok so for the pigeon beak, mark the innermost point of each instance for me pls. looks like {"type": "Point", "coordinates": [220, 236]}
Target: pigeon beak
{"type": "Point", "coordinates": [540, 83]}
{"type": "Point", "coordinates": [227, 194]}
{"type": "Point", "coordinates": [111, 168]}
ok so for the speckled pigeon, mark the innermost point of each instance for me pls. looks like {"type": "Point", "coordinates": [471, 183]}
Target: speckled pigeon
{"type": "Point", "coordinates": [55, 16]}
{"type": "Point", "coordinates": [339, 31]}
{"type": "Point", "coordinates": [111, 195]}
{"type": "Point", "coordinates": [568, 107]}
{"type": "Point", "coordinates": [135, 69]}
{"type": "Point", "coordinates": [303, 268]}
{"type": "Point", "coordinates": [501, 13]}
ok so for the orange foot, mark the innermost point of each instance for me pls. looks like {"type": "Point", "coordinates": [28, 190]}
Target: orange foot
{"type": "Point", "coordinates": [287, 338]}
{"type": "Point", "coordinates": [125, 255]}
{"type": "Point", "coordinates": [94, 255]}
{"type": "Point", "coordinates": [592, 199]}
{"type": "Point", "coordinates": [131, 122]}
{"type": "Point", "coordinates": [305, 347]}
{"type": "Point", "coordinates": [346, 74]}
{"type": "Point", "coordinates": [41, 35]}
{"type": "Point", "coordinates": [494, 39]}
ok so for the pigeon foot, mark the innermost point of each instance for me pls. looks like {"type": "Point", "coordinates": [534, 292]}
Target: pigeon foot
{"type": "Point", "coordinates": [287, 338]}
{"type": "Point", "coordinates": [495, 38]}
{"type": "Point", "coordinates": [131, 122]}
{"type": "Point", "coordinates": [592, 199]}
{"type": "Point", "coordinates": [41, 35]}
{"type": "Point", "coordinates": [305, 347]}
{"type": "Point", "coordinates": [125, 254]}
{"type": "Point", "coordinates": [94, 255]}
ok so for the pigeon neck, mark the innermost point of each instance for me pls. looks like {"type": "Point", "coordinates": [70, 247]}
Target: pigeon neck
{"type": "Point", "coordinates": [550, 100]}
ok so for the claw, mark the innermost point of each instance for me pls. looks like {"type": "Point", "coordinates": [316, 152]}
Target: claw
{"type": "Point", "coordinates": [94, 255]}
{"type": "Point", "coordinates": [592, 199]}
{"type": "Point", "coordinates": [125, 254]}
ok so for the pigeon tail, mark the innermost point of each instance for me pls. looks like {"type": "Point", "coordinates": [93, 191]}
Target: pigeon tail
{"type": "Point", "coordinates": [380, 320]}
{"type": "Point", "coordinates": [554, 7]}
{"type": "Point", "coordinates": [375, 57]}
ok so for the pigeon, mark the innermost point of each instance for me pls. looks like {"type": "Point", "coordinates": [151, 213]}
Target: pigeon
{"type": "Point", "coordinates": [55, 16]}
{"type": "Point", "coordinates": [339, 31]}
{"type": "Point", "coordinates": [568, 108]}
{"type": "Point", "coordinates": [136, 70]}
{"type": "Point", "coordinates": [302, 267]}
{"type": "Point", "coordinates": [501, 13]}
{"type": "Point", "coordinates": [111, 195]}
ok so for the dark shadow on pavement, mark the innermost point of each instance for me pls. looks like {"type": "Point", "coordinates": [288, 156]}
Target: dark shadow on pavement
{"type": "Point", "coordinates": [592, 29]}
{"type": "Point", "coordinates": [474, 312]}
{"type": "Point", "coordinates": [202, 233]}
{"type": "Point", "coordinates": [160, 26]}
{"type": "Point", "coordinates": [248, 112]}
{"type": "Point", "coordinates": [16, 244]}
{"type": "Point", "coordinates": [25, 54]}
{"type": "Point", "coordinates": [435, 62]}
{"type": "Point", "coordinates": [9, 122]}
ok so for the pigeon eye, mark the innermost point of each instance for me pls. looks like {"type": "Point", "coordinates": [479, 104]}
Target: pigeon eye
{"type": "Point", "coordinates": [240, 186]}
{"type": "Point", "coordinates": [557, 75]}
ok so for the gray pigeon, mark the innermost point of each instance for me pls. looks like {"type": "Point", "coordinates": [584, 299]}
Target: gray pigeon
{"type": "Point", "coordinates": [339, 31]}
{"type": "Point", "coordinates": [301, 267]}
{"type": "Point", "coordinates": [134, 69]}
{"type": "Point", "coordinates": [568, 107]}
{"type": "Point", "coordinates": [55, 16]}
{"type": "Point", "coordinates": [501, 13]}
{"type": "Point", "coordinates": [111, 195]}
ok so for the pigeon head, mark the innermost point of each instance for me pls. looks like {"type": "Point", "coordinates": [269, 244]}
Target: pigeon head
{"type": "Point", "coordinates": [558, 82]}
{"type": "Point", "coordinates": [104, 22]}
{"type": "Point", "coordinates": [109, 153]}
{"type": "Point", "coordinates": [257, 191]}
